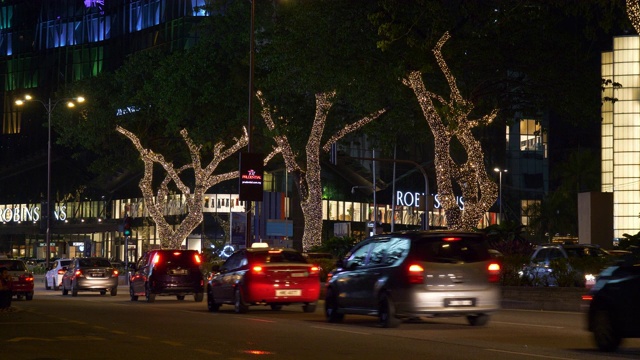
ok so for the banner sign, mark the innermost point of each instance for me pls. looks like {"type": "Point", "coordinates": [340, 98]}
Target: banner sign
{"type": "Point", "coordinates": [251, 176]}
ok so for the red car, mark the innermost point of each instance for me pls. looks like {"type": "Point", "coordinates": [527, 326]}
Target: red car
{"type": "Point", "coordinates": [21, 278]}
{"type": "Point", "coordinates": [264, 276]}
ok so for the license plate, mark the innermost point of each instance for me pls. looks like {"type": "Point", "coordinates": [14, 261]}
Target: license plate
{"type": "Point", "coordinates": [97, 274]}
{"type": "Point", "coordinates": [459, 302]}
{"type": "Point", "coordinates": [299, 274]}
{"type": "Point", "coordinates": [288, 292]}
{"type": "Point", "coordinates": [179, 272]}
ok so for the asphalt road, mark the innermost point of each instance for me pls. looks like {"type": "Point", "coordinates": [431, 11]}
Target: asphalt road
{"type": "Point", "coordinates": [90, 326]}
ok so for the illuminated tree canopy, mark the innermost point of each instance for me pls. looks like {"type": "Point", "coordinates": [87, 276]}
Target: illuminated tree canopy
{"type": "Point", "coordinates": [478, 190]}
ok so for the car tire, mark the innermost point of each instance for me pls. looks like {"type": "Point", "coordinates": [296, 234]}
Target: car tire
{"type": "Point", "coordinates": [29, 296]}
{"type": "Point", "coordinates": [310, 307]}
{"type": "Point", "coordinates": [239, 306]}
{"type": "Point", "coordinates": [331, 307]}
{"type": "Point", "coordinates": [276, 307]}
{"type": "Point", "coordinates": [604, 333]}
{"type": "Point", "coordinates": [151, 297]}
{"type": "Point", "coordinates": [198, 297]}
{"type": "Point", "coordinates": [131, 294]}
{"type": "Point", "coordinates": [387, 312]}
{"type": "Point", "coordinates": [180, 297]}
{"type": "Point", "coordinates": [74, 291]}
{"type": "Point", "coordinates": [114, 291]}
{"type": "Point", "coordinates": [55, 286]}
{"type": "Point", "coordinates": [478, 320]}
{"type": "Point", "coordinates": [46, 284]}
{"type": "Point", "coordinates": [64, 290]}
{"type": "Point", "coordinates": [211, 302]}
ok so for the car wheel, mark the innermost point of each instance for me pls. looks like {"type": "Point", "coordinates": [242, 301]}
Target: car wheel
{"type": "Point", "coordinates": [103, 292]}
{"type": "Point", "coordinates": [240, 306]}
{"type": "Point", "coordinates": [64, 290]}
{"type": "Point", "coordinates": [276, 307]}
{"type": "Point", "coordinates": [114, 291]}
{"type": "Point", "coordinates": [19, 297]}
{"type": "Point", "coordinates": [46, 284]}
{"type": "Point", "coordinates": [151, 297]}
{"type": "Point", "coordinates": [331, 307]}
{"type": "Point", "coordinates": [310, 307]}
{"type": "Point", "coordinates": [74, 291]}
{"type": "Point", "coordinates": [478, 320]}
{"type": "Point", "coordinates": [133, 297]}
{"type": "Point", "coordinates": [211, 302]}
{"type": "Point", "coordinates": [29, 296]}
{"type": "Point", "coordinates": [55, 286]}
{"type": "Point", "coordinates": [180, 297]}
{"type": "Point", "coordinates": [604, 332]}
{"type": "Point", "coordinates": [387, 312]}
{"type": "Point", "coordinates": [198, 297]}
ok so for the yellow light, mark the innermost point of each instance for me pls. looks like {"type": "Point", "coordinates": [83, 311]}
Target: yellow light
{"type": "Point", "coordinates": [633, 11]}
{"type": "Point", "coordinates": [478, 190]}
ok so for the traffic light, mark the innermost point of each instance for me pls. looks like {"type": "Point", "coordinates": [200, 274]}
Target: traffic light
{"type": "Point", "coordinates": [127, 226]}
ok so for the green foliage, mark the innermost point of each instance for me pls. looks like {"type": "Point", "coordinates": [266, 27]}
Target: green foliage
{"type": "Point", "coordinates": [510, 266]}
{"type": "Point", "coordinates": [336, 246]}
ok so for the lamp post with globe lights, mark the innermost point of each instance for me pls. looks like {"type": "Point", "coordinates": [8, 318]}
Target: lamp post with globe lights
{"type": "Point", "coordinates": [49, 106]}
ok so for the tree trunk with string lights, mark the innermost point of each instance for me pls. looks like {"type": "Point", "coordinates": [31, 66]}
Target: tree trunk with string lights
{"type": "Point", "coordinates": [156, 202]}
{"type": "Point", "coordinates": [478, 190]}
{"type": "Point", "coordinates": [307, 177]}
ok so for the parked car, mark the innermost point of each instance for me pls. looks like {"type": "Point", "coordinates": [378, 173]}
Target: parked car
{"type": "Point", "coordinates": [413, 274]}
{"type": "Point", "coordinates": [590, 258]}
{"type": "Point", "coordinates": [53, 276]}
{"type": "Point", "coordinates": [613, 312]}
{"type": "Point", "coordinates": [264, 276]}
{"type": "Point", "coordinates": [21, 278]}
{"type": "Point", "coordinates": [90, 274]}
{"type": "Point", "coordinates": [168, 272]}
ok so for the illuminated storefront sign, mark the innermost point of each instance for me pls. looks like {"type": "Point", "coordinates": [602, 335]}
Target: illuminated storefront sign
{"type": "Point", "coordinates": [22, 213]}
{"type": "Point", "coordinates": [413, 199]}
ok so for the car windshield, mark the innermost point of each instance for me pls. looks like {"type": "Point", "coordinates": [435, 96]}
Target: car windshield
{"type": "Point", "coordinates": [94, 263]}
{"type": "Point", "coordinates": [452, 249]}
{"type": "Point", "coordinates": [278, 257]}
{"type": "Point", "coordinates": [13, 265]}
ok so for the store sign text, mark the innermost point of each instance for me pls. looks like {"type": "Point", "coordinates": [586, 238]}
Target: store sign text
{"type": "Point", "coordinates": [413, 199]}
{"type": "Point", "coordinates": [29, 214]}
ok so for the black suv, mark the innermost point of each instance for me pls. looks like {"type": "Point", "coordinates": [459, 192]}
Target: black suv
{"type": "Point", "coordinates": [168, 272]}
{"type": "Point", "coordinates": [614, 313]}
{"type": "Point", "coordinates": [407, 275]}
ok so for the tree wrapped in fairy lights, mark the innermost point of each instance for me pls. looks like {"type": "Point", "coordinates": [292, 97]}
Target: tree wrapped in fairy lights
{"type": "Point", "coordinates": [633, 10]}
{"type": "Point", "coordinates": [156, 202]}
{"type": "Point", "coordinates": [451, 122]}
{"type": "Point", "coordinates": [307, 177]}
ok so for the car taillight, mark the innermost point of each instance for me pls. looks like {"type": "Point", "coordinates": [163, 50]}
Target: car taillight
{"type": "Point", "coordinates": [257, 270]}
{"type": "Point", "coordinates": [115, 272]}
{"type": "Point", "coordinates": [587, 297]}
{"type": "Point", "coordinates": [26, 278]}
{"type": "Point", "coordinates": [156, 259]}
{"type": "Point", "coordinates": [198, 259]}
{"type": "Point", "coordinates": [61, 271]}
{"type": "Point", "coordinates": [494, 272]}
{"type": "Point", "coordinates": [416, 274]}
{"type": "Point", "coordinates": [314, 271]}
{"type": "Point", "coordinates": [78, 273]}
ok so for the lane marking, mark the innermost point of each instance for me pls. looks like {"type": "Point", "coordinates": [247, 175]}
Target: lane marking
{"type": "Point", "coordinates": [257, 319]}
{"type": "Point", "coordinates": [531, 355]}
{"type": "Point", "coordinates": [529, 325]}
{"type": "Point", "coordinates": [338, 329]}
{"type": "Point", "coordinates": [172, 343]}
{"type": "Point", "coordinates": [208, 352]}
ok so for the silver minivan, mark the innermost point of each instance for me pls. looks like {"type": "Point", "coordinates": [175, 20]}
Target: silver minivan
{"type": "Point", "coordinates": [413, 274]}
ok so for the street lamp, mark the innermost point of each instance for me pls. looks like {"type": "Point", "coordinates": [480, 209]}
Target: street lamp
{"type": "Point", "coordinates": [49, 106]}
{"type": "Point", "coordinates": [500, 171]}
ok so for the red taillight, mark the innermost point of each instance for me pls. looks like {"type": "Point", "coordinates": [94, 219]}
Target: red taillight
{"type": "Point", "coordinates": [61, 271]}
{"type": "Point", "coordinates": [115, 272]}
{"type": "Point", "coordinates": [156, 258]}
{"type": "Point", "coordinates": [416, 274]}
{"type": "Point", "coordinates": [494, 272]}
{"type": "Point", "coordinates": [78, 273]}
{"type": "Point", "coordinates": [451, 239]}
{"type": "Point", "coordinates": [26, 278]}
{"type": "Point", "coordinates": [587, 297]}
{"type": "Point", "coordinates": [257, 269]}
{"type": "Point", "coordinates": [314, 270]}
{"type": "Point", "coordinates": [198, 259]}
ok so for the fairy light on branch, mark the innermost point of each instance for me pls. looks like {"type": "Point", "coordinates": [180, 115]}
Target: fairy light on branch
{"type": "Point", "coordinates": [308, 180]}
{"type": "Point", "coordinates": [633, 11]}
{"type": "Point", "coordinates": [478, 189]}
{"type": "Point", "coordinates": [204, 179]}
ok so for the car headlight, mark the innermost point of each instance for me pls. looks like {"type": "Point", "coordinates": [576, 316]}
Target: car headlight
{"type": "Point", "coordinates": [589, 277]}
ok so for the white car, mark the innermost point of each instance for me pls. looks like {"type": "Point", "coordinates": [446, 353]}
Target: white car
{"type": "Point", "coordinates": [53, 277]}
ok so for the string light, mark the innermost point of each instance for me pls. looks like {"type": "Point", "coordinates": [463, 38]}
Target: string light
{"type": "Point", "coordinates": [204, 179]}
{"type": "Point", "coordinates": [308, 180]}
{"type": "Point", "coordinates": [478, 189]}
{"type": "Point", "coordinates": [633, 11]}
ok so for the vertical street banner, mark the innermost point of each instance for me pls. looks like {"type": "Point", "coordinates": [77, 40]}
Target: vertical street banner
{"type": "Point", "coordinates": [251, 176]}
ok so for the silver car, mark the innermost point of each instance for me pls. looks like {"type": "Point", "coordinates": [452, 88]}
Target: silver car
{"type": "Point", "coordinates": [90, 274]}
{"type": "Point", "coordinates": [408, 275]}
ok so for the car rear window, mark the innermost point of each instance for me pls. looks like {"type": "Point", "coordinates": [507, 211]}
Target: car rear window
{"type": "Point", "coordinates": [277, 257]}
{"type": "Point", "coordinates": [451, 249]}
{"type": "Point", "coordinates": [94, 263]}
{"type": "Point", "coordinates": [13, 265]}
{"type": "Point", "coordinates": [584, 252]}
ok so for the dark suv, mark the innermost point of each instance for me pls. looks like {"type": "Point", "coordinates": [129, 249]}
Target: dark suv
{"type": "Point", "coordinates": [168, 272]}
{"type": "Point", "coordinates": [414, 274]}
{"type": "Point", "coordinates": [614, 313]}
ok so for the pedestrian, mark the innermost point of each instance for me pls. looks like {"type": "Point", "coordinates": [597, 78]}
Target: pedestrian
{"type": "Point", "coordinates": [5, 289]}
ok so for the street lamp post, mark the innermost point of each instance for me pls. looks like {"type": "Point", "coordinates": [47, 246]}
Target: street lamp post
{"type": "Point", "coordinates": [500, 171]}
{"type": "Point", "coordinates": [49, 106]}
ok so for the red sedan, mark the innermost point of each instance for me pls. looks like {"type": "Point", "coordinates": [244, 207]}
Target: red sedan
{"type": "Point", "coordinates": [264, 276]}
{"type": "Point", "coordinates": [21, 278]}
